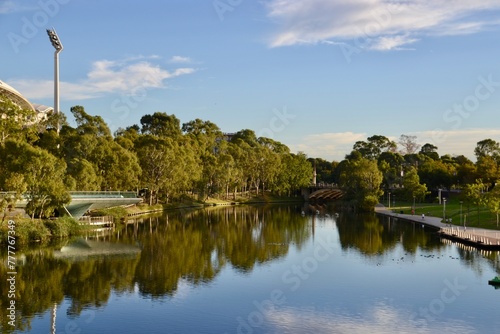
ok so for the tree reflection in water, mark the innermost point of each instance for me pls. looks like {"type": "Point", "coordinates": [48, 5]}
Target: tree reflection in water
{"type": "Point", "coordinates": [193, 247]}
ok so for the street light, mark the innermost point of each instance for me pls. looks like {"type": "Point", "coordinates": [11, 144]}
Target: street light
{"type": "Point", "coordinates": [56, 43]}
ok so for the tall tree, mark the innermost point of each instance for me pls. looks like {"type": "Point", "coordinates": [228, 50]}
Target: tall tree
{"type": "Point", "coordinates": [40, 174]}
{"type": "Point", "coordinates": [487, 148]}
{"type": "Point", "coordinates": [360, 179]}
{"type": "Point", "coordinates": [430, 151]}
{"type": "Point", "coordinates": [374, 146]}
{"type": "Point", "coordinates": [162, 125]}
{"type": "Point", "coordinates": [408, 144]}
{"type": "Point", "coordinates": [412, 188]}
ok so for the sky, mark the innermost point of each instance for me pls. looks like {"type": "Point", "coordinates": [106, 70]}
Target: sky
{"type": "Point", "coordinates": [316, 75]}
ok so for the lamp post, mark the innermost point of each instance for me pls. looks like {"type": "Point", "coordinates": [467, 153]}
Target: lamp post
{"type": "Point", "coordinates": [56, 43]}
{"type": "Point", "coordinates": [444, 210]}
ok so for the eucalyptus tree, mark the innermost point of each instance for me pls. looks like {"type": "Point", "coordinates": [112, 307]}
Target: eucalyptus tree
{"type": "Point", "coordinates": [360, 179]}
{"type": "Point", "coordinates": [487, 148]}
{"type": "Point", "coordinates": [295, 173]}
{"type": "Point", "coordinates": [437, 174]}
{"type": "Point", "coordinates": [466, 170]}
{"type": "Point", "coordinates": [412, 188]}
{"type": "Point", "coordinates": [38, 175]}
{"type": "Point", "coordinates": [156, 157]}
{"type": "Point", "coordinates": [325, 170]}
{"type": "Point", "coordinates": [492, 200]}
{"type": "Point", "coordinates": [474, 194]}
{"type": "Point", "coordinates": [430, 150]}
{"type": "Point", "coordinates": [374, 146]}
{"type": "Point", "coordinates": [82, 176]}
{"type": "Point", "coordinates": [115, 167]}
{"type": "Point", "coordinates": [390, 164]}
{"type": "Point", "coordinates": [236, 172]}
{"type": "Point", "coordinates": [168, 166]}
{"type": "Point", "coordinates": [205, 138]}
{"type": "Point", "coordinates": [161, 124]}
{"type": "Point", "coordinates": [408, 144]}
{"type": "Point", "coordinates": [488, 169]}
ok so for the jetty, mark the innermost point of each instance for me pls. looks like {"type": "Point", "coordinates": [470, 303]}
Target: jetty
{"type": "Point", "coordinates": [477, 237]}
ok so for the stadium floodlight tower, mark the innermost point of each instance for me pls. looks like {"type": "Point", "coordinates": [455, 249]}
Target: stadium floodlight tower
{"type": "Point", "coordinates": [56, 43]}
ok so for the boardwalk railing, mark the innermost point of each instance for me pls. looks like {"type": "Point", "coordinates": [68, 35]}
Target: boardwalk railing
{"type": "Point", "coordinates": [96, 221]}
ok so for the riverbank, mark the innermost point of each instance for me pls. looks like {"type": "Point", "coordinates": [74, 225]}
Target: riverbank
{"type": "Point", "coordinates": [142, 209]}
{"type": "Point", "coordinates": [477, 237]}
{"type": "Point", "coordinates": [25, 230]}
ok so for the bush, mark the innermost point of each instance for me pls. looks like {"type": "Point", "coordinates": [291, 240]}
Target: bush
{"type": "Point", "coordinates": [63, 227]}
{"type": "Point", "coordinates": [26, 231]}
{"type": "Point", "coordinates": [118, 213]}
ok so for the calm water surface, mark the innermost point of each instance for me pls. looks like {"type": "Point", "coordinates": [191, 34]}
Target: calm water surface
{"type": "Point", "coordinates": [257, 270]}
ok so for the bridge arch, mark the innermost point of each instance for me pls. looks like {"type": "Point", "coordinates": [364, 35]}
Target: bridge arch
{"type": "Point", "coordinates": [317, 193]}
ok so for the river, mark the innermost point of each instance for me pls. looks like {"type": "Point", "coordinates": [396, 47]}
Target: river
{"type": "Point", "coordinates": [255, 269]}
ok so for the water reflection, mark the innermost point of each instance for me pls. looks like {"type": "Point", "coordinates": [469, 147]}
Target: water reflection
{"type": "Point", "coordinates": [157, 256]}
{"type": "Point", "coordinates": [377, 234]}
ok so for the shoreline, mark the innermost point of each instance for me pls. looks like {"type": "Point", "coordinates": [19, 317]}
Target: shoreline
{"type": "Point", "coordinates": [473, 236]}
{"type": "Point", "coordinates": [180, 206]}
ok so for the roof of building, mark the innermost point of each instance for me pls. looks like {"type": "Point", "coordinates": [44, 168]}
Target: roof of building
{"type": "Point", "coordinates": [15, 96]}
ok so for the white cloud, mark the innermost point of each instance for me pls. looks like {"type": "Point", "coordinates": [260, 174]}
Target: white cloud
{"type": "Point", "coordinates": [379, 24]}
{"type": "Point", "coordinates": [457, 142]}
{"type": "Point", "coordinates": [10, 6]}
{"type": "Point", "coordinates": [105, 77]}
{"type": "Point", "coordinates": [380, 318]}
{"type": "Point", "coordinates": [180, 60]}
{"type": "Point", "coordinates": [329, 146]}
{"type": "Point", "coordinates": [385, 43]}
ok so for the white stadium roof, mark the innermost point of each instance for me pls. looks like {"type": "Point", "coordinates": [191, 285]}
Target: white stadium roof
{"type": "Point", "coordinates": [21, 101]}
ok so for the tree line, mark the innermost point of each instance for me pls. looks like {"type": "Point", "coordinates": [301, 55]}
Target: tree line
{"type": "Point", "coordinates": [410, 171]}
{"type": "Point", "coordinates": [165, 161]}
{"type": "Point", "coordinates": [160, 158]}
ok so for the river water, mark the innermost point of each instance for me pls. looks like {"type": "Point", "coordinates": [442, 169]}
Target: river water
{"type": "Point", "coordinates": [265, 269]}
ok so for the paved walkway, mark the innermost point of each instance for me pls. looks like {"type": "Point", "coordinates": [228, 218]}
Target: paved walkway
{"type": "Point", "coordinates": [478, 237]}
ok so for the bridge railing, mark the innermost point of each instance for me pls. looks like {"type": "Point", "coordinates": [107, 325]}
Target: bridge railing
{"type": "Point", "coordinates": [109, 194]}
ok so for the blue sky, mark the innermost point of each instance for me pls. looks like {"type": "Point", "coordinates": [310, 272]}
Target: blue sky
{"type": "Point", "coordinates": [317, 75]}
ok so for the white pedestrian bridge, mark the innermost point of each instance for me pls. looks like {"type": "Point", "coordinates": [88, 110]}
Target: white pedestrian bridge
{"type": "Point", "coordinates": [82, 201]}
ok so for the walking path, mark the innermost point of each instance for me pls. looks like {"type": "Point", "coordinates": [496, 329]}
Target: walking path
{"type": "Point", "coordinates": [478, 237]}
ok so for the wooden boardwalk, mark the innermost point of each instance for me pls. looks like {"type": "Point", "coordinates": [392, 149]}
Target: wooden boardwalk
{"type": "Point", "coordinates": [477, 237]}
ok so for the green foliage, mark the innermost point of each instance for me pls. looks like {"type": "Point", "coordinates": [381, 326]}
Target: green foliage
{"type": "Point", "coordinates": [118, 213]}
{"type": "Point", "coordinates": [197, 161]}
{"type": "Point", "coordinates": [412, 188]}
{"type": "Point", "coordinates": [39, 174]}
{"type": "Point", "coordinates": [63, 227]}
{"type": "Point", "coordinates": [360, 179]}
{"type": "Point", "coordinates": [26, 231]}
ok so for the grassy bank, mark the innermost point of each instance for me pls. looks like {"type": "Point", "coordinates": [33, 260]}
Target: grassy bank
{"type": "Point", "coordinates": [473, 216]}
{"type": "Point", "coordinates": [26, 230]}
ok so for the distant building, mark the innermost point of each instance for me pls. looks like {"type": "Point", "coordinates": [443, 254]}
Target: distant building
{"type": "Point", "coordinates": [41, 112]}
